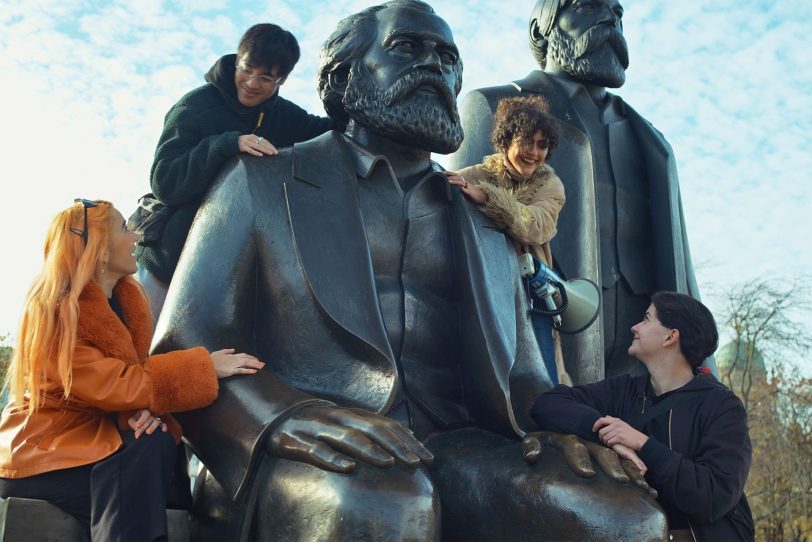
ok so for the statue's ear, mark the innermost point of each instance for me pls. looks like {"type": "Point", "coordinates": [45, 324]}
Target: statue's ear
{"type": "Point", "coordinates": [338, 79]}
{"type": "Point", "coordinates": [537, 39]}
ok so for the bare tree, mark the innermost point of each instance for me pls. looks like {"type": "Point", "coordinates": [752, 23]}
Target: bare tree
{"type": "Point", "coordinates": [769, 322]}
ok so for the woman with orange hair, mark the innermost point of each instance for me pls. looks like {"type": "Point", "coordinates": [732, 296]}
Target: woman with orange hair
{"type": "Point", "coordinates": [90, 409]}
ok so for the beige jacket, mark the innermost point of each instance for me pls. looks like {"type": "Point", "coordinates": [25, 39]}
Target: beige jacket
{"type": "Point", "coordinates": [526, 210]}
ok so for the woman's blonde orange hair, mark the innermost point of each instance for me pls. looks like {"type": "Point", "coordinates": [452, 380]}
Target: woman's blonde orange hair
{"type": "Point", "coordinates": [47, 334]}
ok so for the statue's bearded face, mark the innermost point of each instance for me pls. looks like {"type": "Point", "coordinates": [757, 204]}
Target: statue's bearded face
{"type": "Point", "coordinates": [589, 45]}
{"type": "Point", "coordinates": [404, 87]}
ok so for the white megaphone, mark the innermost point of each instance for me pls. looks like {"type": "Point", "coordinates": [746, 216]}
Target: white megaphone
{"type": "Point", "coordinates": [572, 304]}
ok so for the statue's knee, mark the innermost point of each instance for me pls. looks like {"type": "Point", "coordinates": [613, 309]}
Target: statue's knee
{"type": "Point", "coordinates": [370, 503]}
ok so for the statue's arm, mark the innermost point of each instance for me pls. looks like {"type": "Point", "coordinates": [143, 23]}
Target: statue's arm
{"type": "Point", "coordinates": [211, 303]}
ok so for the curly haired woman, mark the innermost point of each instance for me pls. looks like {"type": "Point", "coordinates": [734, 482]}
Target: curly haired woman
{"type": "Point", "coordinates": [89, 411]}
{"type": "Point", "coordinates": [521, 193]}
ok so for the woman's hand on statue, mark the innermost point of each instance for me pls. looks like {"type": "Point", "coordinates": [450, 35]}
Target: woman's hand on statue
{"type": "Point", "coordinates": [256, 145]}
{"type": "Point", "coordinates": [629, 455]}
{"type": "Point", "coordinates": [336, 438]}
{"type": "Point", "coordinates": [227, 363]}
{"type": "Point", "coordinates": [474, 193]}
{"type": "Point", "coordinates": [613, 431]}
{"type": "Point", "coordinates": [143, 421]}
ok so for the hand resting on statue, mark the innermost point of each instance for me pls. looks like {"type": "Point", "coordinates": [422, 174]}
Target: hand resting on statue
{"type": "Point", "coordinates": [621, 465]}
{"type": "Point", "coordinates": [228, 363]}
{"type": "Point", "coordinates": [335, 438]}
{"type": "Point", "coordinates": [473, 192]}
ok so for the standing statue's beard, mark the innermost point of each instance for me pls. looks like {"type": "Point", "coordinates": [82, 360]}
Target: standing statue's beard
{"type": "Point", "coordinates": [426, 120]}
{"type": "Point", "coordinates": [599, 56]}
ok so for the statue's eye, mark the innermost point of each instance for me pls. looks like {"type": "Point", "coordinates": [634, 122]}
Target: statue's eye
{"type": "Point", "coordinates": [404, 46]}
{"type": "Point", "coordinates": [448, 57]}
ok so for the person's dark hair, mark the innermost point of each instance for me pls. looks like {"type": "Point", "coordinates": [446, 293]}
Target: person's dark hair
{"type": "Point", "coordinates": [348, 43]}
{"type": "Point", "coordinates": [521, 117]}
{"type": "Point", "coordinates": [697, 328]}
{"type": "Point", "coordinates": [269, 45]}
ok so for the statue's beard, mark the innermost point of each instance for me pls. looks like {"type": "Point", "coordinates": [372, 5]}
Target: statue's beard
{"type": "Point", "coordinates": [429, 121]}
{"type": "Point", "coordinates": [599, 56]}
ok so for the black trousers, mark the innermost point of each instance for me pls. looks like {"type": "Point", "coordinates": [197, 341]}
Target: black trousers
{"type": "Point", "coordinates": [123, 497]}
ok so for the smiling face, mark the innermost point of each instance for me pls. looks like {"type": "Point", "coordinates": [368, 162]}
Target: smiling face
{"type": "Point", "coordinates": [255, 84]}
{"type": "Point", "coordinates": [527, 156]}
{"type": "Point", "coordinates": [649, 336]}
{"type": "Point", "coordinates": [120, 247]}
{"type": "Point", "coordinates": [405, 86]}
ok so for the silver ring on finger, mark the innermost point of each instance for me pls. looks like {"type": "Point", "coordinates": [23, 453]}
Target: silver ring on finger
{"type": "Point", "coordinates": [159, 420]}
{"type": "Point", "coordinates": [259, 140]}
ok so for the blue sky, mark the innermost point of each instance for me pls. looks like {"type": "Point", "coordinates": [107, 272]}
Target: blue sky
{"type": "Point", "coordinates": [87, 83]}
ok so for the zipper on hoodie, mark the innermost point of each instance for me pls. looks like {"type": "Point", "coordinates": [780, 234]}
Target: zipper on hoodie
{"type": "Point", "coordinates": [670, 414]}
{"type": "Point", "coordinates": [259, 121]}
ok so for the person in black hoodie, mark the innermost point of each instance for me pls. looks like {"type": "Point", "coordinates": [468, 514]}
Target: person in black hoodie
{"type": "Point", "coordinates": [238, 110]}
{"type": "Point", "coordinates": [684, 430]}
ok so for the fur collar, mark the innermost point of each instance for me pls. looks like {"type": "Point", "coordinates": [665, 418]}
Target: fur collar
{"type": "Point", "coordinates": [495, 165]}
{"type": "Point", "coordinates": [99, 325]}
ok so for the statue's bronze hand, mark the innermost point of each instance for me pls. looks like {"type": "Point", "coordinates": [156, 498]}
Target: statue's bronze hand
{"type": "Point", "coordinates": [577, 452]}
{"type": "Point", "coordinates": [334, 438]}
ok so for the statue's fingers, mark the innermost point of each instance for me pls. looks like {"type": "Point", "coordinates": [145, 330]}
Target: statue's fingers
{"type": "Point", "coordinates": [310, 450]}
{"type": "Point", "coordinates": [609, 462]}
{"type": "Point", "coordinates": [531, 449]}
{"type": "Point", "coordinates": [358, 445]}
{"type": "Point", "coordinates": [635, 474]}
{"type": "Point", "coordinates": [411, 443]}
{"type": "Point", "coordinates": [390, 435]}
{"type": "Point", "coordinates": [575, 453]}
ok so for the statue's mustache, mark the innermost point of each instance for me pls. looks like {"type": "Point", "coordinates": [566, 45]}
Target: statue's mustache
{"type": "Point", "coordinates": [413, 80]}
{"type": "Point", "coordinates": [596, 36]}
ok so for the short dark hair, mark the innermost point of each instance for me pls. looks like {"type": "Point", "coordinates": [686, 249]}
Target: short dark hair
{"type": "Point", "coordinates": [349, 42]}
{"type": "Point", "coordinates": [521, 117]}
{"type": "Point", "coordinates": [270, 46]}
{"type": "Point", "coordinates": [697, 328]}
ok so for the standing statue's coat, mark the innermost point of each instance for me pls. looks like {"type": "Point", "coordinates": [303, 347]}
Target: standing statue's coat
{"type": "Point", "coordinates": [576, 246]}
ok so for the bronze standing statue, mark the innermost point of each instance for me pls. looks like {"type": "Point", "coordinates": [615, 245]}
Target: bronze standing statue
{"type": "Point", "coordinates": [623, 224]}
{"type": "Point", "coordinates": [401, 362]}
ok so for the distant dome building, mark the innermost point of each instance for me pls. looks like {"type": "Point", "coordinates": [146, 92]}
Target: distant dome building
{"type": "Point", "coordinates": [736, 355]}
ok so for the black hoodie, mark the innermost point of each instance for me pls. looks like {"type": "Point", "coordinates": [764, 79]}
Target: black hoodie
{"type": "Point", "coordinates": [698, 452]}
{"type": "Point", "coordinates": [200, 134]}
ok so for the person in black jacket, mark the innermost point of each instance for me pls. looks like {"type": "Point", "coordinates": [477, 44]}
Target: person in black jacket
{"type": "Point", "coordinates": [238, 110]}
{"type": "Point", "coordinates": [682, 428]}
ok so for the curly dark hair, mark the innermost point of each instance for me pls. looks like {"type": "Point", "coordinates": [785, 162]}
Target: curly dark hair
{"type": "Point", "coordinates": [521, 117]}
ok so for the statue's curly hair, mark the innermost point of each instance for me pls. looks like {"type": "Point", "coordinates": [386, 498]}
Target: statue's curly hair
{"type": "Point", "coordinates": [521, 117]}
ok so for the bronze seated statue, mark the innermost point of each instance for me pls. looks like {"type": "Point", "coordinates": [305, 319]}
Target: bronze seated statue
{"type": "Point", "coordinates": [401, 362]}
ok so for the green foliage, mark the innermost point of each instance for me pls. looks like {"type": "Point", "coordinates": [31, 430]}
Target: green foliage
{"type": "Point", "coordinates": [5, 359]}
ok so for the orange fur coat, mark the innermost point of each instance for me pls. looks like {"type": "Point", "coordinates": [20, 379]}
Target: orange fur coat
{"type": "Point", "coordinates": [113, 375]}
